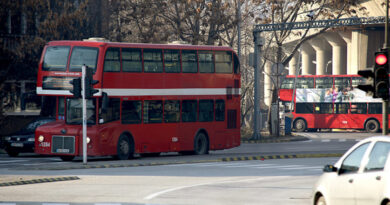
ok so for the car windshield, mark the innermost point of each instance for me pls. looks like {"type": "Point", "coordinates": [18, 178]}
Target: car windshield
{"type": "Point", "coordinates": [30, 128]}
{"type": "Point", "coordinates": [74, 111]}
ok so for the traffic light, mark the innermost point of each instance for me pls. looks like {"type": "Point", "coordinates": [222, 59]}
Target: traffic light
{"type": "Point", "coordinates": [369, 87]}
{"type": "Point", "coordinates": [76, 90]}
{"type": "Point", "coordinates": [381, 74]}
{"type": "Point", "coordinates": [89, 82]}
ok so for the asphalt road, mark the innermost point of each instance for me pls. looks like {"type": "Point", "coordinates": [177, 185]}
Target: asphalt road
{"type": "Point", "coordinates": [318, 143]}
{"type": "Point", "coordinates": [279, 181]}
{"type": "Point", "coordinates": [234, 176]}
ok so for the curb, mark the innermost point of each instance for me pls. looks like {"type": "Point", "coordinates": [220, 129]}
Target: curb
{"type": "Point", "coordinates": [225, 159]}
{"type": "Point", "coordinates": [36, 181]}
{"type": "Point", "coordinates": [228, 159]}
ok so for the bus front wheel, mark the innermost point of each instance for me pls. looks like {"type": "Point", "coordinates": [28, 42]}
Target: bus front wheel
{"type": "Point", "coordinates": [372, 126]}
{"type": "Point", "coordinates": [124, 148]}
{"type": "Point", "coordinates": [300, 125]}
{"type": "Point", "coordinates": [201, 144]}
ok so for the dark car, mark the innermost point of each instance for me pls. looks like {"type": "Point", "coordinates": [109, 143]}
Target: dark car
{"type": "Point", "coordinates": [23, 140]}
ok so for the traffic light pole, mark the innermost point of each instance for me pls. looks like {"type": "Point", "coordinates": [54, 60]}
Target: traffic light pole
{"type": "Point", "coordinates": [385, 104]}
{"type": "Point", "coordinates": [83, 70]}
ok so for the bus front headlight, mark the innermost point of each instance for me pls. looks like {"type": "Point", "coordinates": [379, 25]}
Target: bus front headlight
{"type": "Point", "coordinates": [41, 138]}
{"type": "Point", "coordinates": [88, 140]}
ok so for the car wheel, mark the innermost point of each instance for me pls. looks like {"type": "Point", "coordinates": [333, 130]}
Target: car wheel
{"type": "Point", "coordinates": [321, 201]}
{"type": "Point", "coordinates": [124, 148]}
{"type": "Point", "coordinates": [12, 152]}
{"type": "Point", "coordinates": [67, 158]}
{"type": "Point", "coordinates": [201, 144]}
{"type": "Point", "coordinates": [372, 126]}
{"type": "Point", "coordinates": [300, 125]}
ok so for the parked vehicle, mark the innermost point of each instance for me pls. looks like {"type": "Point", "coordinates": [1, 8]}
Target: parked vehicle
{"type": "Point", "coordinates": [23, 140]}
{"type": "Point", "coordinates": [359, 177]}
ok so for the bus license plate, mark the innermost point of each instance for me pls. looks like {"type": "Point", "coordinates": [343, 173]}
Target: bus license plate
{"type": "Point", "coordinates": [16, 144]}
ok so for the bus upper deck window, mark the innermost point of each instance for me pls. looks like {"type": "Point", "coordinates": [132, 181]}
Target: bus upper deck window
{"type": "Point", "coordinates": [56, 58]}
{"type": "Point", "coordinates": [83, 56]}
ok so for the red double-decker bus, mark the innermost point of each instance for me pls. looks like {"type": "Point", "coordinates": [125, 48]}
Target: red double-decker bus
{"type": "Point", "coordinates": [330, 102]}
{"type": "Point", "coordinates": [152, 98]}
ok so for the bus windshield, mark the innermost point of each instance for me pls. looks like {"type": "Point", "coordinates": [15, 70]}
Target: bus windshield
{"type": "Point", "coordinates": [56, 58]}
{"type": "Point", "coordinates": [74, 111]}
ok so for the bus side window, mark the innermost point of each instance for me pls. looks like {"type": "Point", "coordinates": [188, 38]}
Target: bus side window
{"type": "Point", "coordinates": [189, 111]}
{"type": "Point", "coordinates": [219, 110]}
{"type": "Point", "coordinates": [206, 110]}
{"type": "Point", "coordinates": [113, 111]}
{"type": "Point", "coordinates": [131, 112]}
{"type": "Point", "coordinates": [153, 111]}
{"type": "Point", "coordinates": [374, 108]}
{"type": "Point", "coordinates": [324, 108]}
{"type": "Point", "coordinates": [131, 60]}
{"type": "Point", "coordinates": [171, 111]}
{"type": "Point", "coordinates": [304, 108]}
{"type": "Point", "coordinates": [223, 62]}
{"type": "Point", "coordinates": [153, 61]}
{"type": "Point", "coordinates": [112, 61]}
{"type": "Point", "coordinates": [358, 108]}
{"type": "Point", "coordinates": [206, 62]}
{"type": "Point", "coordinates": [341, 108]}
{"type": "Point", "coordinates": [172, 61]}
{"type": "Point", "coordinates": [189, 61]}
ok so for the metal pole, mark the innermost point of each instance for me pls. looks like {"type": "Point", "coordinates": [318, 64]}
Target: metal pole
{"type": "Point", "coordinates": [257, 118]}
{"type": "Point", "coordinates": [239, 29]}
{"type": "Point", "coordinates": [385, 104]}
{"type": "Point", "coordinates": [256, 129]}
{"type": "Point", "coordinates": [83, 70]}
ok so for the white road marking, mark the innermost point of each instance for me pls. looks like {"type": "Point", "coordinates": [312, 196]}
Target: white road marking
{"type": "Point", "coordinates": [154, 195]}
{"type": "Point", "coordinates": [8, 161]}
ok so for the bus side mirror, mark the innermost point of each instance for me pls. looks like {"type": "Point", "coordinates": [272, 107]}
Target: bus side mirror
{"type": "Point", "coordinates": [104, 102]}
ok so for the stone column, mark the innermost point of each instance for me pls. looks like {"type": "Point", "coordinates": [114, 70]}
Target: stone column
{"type": "Point", "coordinates": [339, 53]}
{"type": "Point", "coordinates": [293, 64]}
{"type": "Point", "coordinates": [267, 83]}
{"type": "Point", "coordinates": [308, 68]}
{"type": "Point", "coordinates": [358, 51]}
{"type": "Point", "coordinates": [323, 53]}
{"type": "Point", "coordinates": [347, 37]}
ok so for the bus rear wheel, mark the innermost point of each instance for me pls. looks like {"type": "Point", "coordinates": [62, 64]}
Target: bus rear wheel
{"type": "Point", "coordinates": [201, 144]}
{"type": "Point", "coordinates": [372, 126]}
{"type": "Point", "coordinates": [124, 148]}
{"type": "Point", "coordinates": [300, 125]}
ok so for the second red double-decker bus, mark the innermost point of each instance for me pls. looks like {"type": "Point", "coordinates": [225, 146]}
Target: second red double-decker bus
{"type": "Point", "coordinates": [160, 98]}
{"type": "Point", "coordinates": [330, 102]}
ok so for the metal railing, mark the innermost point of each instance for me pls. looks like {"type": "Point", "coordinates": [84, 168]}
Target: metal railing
{"type": "Point", "coordinates": [320, 24]}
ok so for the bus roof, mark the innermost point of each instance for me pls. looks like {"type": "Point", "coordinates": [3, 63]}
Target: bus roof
{"type": "Point", "coordinates": [140, 45]}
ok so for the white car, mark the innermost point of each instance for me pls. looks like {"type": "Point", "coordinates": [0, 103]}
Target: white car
{"type": "Point", "coordinates": [360, 176]}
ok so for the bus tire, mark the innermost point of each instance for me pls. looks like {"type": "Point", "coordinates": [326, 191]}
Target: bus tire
{"type": "Point", "coordinates": [67, 158]}
{"type": "Point", "coordinates": [201, 144]}
{"type": "Point", "coordinates": [300, 125]}
{"type": "Point", "coordinates": [124, 148]}
{"type": "Point", "coordinates": [372, 126]}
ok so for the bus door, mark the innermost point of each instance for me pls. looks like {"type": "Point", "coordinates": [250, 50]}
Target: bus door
{"type": "Point", "coordinates": [323, 115]}
{"type": "Point", "coordinates": [108, 123]}
{"type": "Point", "coordinates": [343, 117]}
